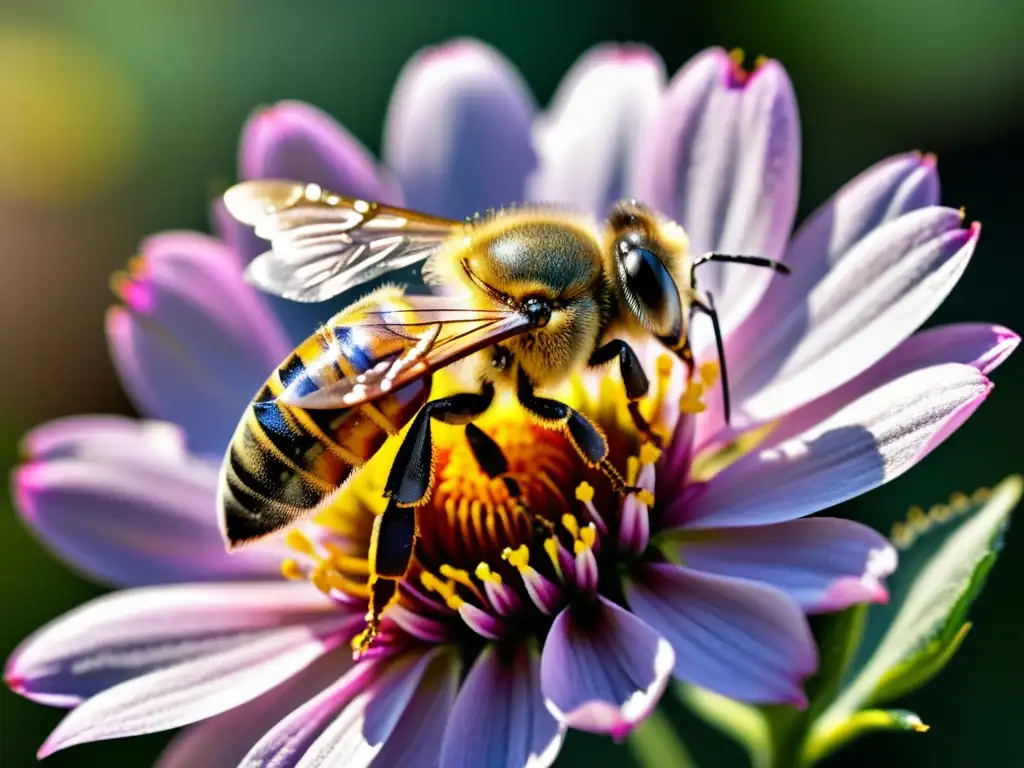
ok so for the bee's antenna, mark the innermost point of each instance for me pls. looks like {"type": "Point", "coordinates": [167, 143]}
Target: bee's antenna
{"type": "Point", "coordinates": [711, 312]}
{"type": "Point", "coordinates": [754, 261]}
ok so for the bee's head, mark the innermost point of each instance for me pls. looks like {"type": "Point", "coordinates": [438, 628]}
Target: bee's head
{"type": "Point", "coordinates": [645, 254]}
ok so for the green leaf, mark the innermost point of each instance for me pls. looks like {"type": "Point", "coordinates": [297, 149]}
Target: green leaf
{"type": "Point", "coordinates": [866, 721]}
{"type": "Point", "coordinates": [656, 744]}
{"type": "Point", "coordinates": [929, 624]}
{"type": "Point", "coordinates": [744, 724]}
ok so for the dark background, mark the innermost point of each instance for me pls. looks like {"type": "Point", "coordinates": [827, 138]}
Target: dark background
{"type": "Point", "coordinates": [117, 118]}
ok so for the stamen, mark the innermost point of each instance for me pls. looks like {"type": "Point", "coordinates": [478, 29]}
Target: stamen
{"type": "Point", "coordinates": [571, 525]}
{"type": "Point", "coordinates": [486, 575]}
{"type": "Point", "coordinates": [551, 548]}
{"type": "Point", "coordinates": [645, 497]}
{"type": "Point", "coordinates": [691, 401]}
{"type": "Point", "coordinates": [632, 469]}
{"type": "Point", "coordinates": [649, 454]}
{"type": "Point", "coordinates": [460, 576]}
{"type": "Point", "coordinates": [518, 557]}
{"type": "Point", "coordinates": [585, 542]}
{"type": "Point", "coordinates": [585, 493]}
{"type": "Point", "coordinates": [431, 583]}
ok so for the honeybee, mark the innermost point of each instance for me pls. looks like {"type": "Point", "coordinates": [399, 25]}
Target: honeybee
{"type": "Point", "coordinates": [526, 297]}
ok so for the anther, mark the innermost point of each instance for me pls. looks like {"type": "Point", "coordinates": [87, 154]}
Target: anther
{"type": "Point", "coordinates": [649, 454]}
{"type": "Point", "coordinates": [645, 497]}
{"type": "Point", "coordinates": [571, 525]}
{"type": "Point", "coordinates": [588, 535]}
{"type": "Point", "coordinates": [585, 492]}
{"type": "Point", "coordinates": [298, 541]}
{"type": "Point", "coordinates": [709, 373]}
{"type": "Point", "coordinates": [519, 557]}
{"type": "Point", "coordinates": [291, 570]}
{"type": "Point", "coordinates": [486, 575]}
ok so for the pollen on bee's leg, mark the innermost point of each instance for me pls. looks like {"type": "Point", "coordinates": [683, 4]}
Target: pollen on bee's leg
{"type": "Point", "coordinates": [383, 592]}
{"type": "Point", "coordinates": [544, 594]}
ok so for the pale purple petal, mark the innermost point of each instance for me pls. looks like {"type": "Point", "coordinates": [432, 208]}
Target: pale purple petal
{"type": "Point", "coordinates": [457, 134]}
{"type": "Point", "coordinates": [881, 194]}
{"type": "Point", "coordinates": [603, 669]}
{"type": "Point", "coordinates": [122, 501]}
{"type": "Point", "coordinates": [137, 640]}
{"type": "Point", "coordinates": [294, 140]}
{"type": "Point", "coordinates": [587, 140]}
{"type": "Point", "coordinates": [731, 636]}
{"type": "Point", "coordinates": [822, 563]}
{"type": "Point", "coordinates": [874, 439]}
{"type": "Point", "coordinates": [225, 739]}
{"type": "Point", "coordinates": [980, 345]}
{"type": "Point", "coordinates": [398, 719]}
{"type": "Point", "coordinates": [193, 342]}
{"type": "Point", "coordinates": [722, 157]}
{"type": "Point", "coordinates": [873, 299]}
{"type": "Point", "coordinates": [285, 741]}
{"type": "Point", "coordinates": [499, 719]}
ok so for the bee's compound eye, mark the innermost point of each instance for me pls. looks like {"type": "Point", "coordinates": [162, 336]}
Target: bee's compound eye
{"type": "Point", "coordinates": [651, 291]}
{"type": "Point", "coordinates": [538, 310]}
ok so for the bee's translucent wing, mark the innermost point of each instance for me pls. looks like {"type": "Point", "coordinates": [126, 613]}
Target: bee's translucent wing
{"type": "Point", "coordinates": [323, 244]}
{"type": "Point", "coordinates": [431, 333]}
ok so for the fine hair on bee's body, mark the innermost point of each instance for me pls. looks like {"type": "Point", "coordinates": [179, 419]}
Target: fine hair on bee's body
{"type": "Point", "coordinates": [526, 298]}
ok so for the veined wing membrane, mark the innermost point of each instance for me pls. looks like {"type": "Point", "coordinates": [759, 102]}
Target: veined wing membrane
{"type": "Point", "coordinates": [425, 338]}
{"type": "Point", "coordinates": [323, 244]}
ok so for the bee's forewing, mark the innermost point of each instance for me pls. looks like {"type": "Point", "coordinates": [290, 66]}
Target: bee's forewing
{"type": "Point", "coordinates": [323, 244]}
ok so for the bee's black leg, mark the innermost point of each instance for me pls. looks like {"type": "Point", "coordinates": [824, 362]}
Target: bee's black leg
{"type": "Point", "coordinates": [709, 310]}
{"type": "Point", "coordinates": [583, 433]}
{"type": "Point", "coordinates": [408, 486]}
{"type": "Point", "coordinates": [633, 378]}
{"type": "Point", "coordinates": [409, 480]}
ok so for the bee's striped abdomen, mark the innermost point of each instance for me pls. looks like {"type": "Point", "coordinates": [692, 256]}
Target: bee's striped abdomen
{"type": "Point", "coordinates": [285, 463]}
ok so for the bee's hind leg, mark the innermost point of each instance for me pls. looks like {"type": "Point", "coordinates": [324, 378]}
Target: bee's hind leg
{"type": "Point", "coordinates": [407, 487]}
{"type": "Point", "coordinates": [634, 380]}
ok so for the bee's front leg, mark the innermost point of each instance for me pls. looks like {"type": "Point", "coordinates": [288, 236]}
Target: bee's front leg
{"type": "Point", "coordinates": [633, 378]}
{"type": "Point", "coordinates": [585, 436]}
{"type": "Point", "coordinates": [407, 487]}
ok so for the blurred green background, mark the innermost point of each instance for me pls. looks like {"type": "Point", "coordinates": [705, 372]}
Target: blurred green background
{"type": "Point", "coordinates": [118, 117]}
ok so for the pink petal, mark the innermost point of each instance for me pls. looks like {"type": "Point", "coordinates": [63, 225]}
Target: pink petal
{"type": "Point", "coordinates": [502, 691]}
{"type": "Point", "coordinates": [873, 299]}
{"type": "Point", "coordinates": [294, 140]}
{"type": "Point", "coordinates": [121, 500]}
{"type": "Point", "coordinates": [587, 140]}
{"type": "Point", "coordinates": [869, 442]}
{"type": "Point", "coordinates": [731, 636]}
{"type": "Point", "coordinates": [881, 194]}
{"type": "Point", "coordinates": [822, 563]}
{"type": "Point", "coordinates": [603, 669]}
{"type": "Point", "coordinates": [399, 719]}
{"type": "Point", "coordinates": [130, 642]}
{"type": "Point", "coordinates": [980, 345]}
{"type": "Point", "coordinates": [193, 342]}
{"type": "Point", "coordinates": [225, 739]}
{"type": "Point", "coordinates": [457, 134]}
{"type": "Point", "coordinates": [722, 157]}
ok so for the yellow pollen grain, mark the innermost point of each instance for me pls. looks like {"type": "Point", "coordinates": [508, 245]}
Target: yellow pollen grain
{"type": "Point", "coordinates": [585, 492]}
{"type": "Point", "coordinates": [737, 55]}
{"type": "Point", "coordinates": [709, 373]}
{"type": "Point", "coordinates": [518, 557]}
{"type": "Point", "coordinates": [760, 61]}
{"type": "Point", "coordinates": [291, 570]}
{"type": "Point", "coordinates": [486, 575]}
{"type": "Point", "coordinates": [645, 497]}
{"type": "Point", "coordinates": [298, 541]}
{"type": "Point", "coordinates": [551, 548]}
{"type": "Point", "coordinates": [632, 469]}
{"type": "Point", "coordinates": [571, 525]}
{"type": "Point", "coordinates": [649, 454]}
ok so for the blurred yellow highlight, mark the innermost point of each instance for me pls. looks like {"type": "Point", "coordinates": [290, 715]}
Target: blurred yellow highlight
{"type": "Point", "coordinates": [69, 120]}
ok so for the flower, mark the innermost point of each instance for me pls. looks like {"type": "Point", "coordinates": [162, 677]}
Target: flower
{"type": "Point", "coordinates": [563, 605]}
